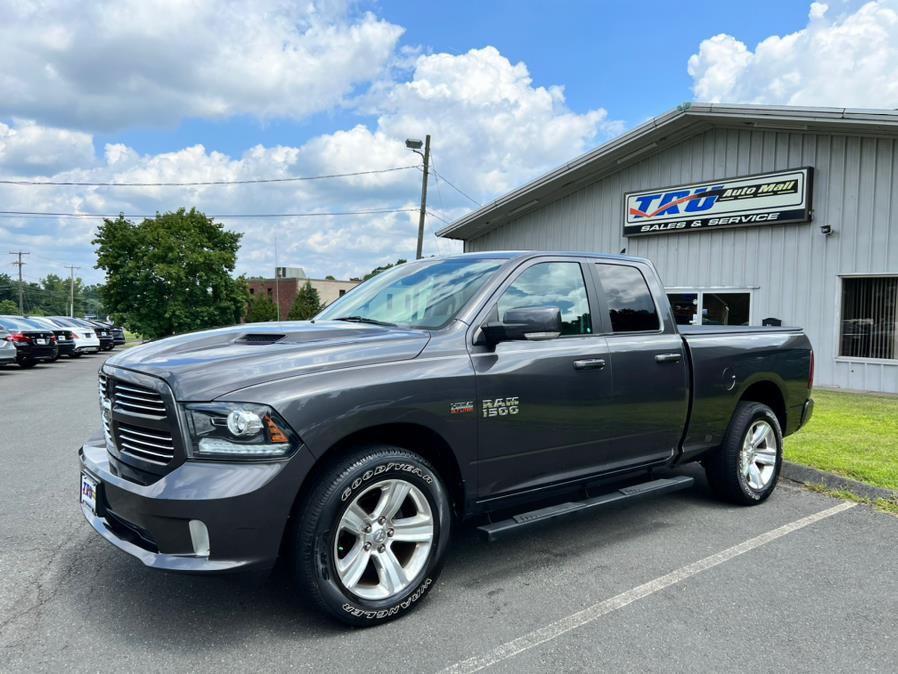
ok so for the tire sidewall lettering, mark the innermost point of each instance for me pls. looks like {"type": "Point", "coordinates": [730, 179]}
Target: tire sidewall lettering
{"type": "Point", "coordinates": [380, 614]}
{"type": "Point", "coordinates": [382, 469]}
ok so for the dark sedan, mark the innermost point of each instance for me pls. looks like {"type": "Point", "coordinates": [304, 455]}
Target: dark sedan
{"type": "Point", "coordinates": [33, 342]}
{"type": "Point", "coordinates": [65, 337]}
{"type": "Point", "coordinates": [104, 332]}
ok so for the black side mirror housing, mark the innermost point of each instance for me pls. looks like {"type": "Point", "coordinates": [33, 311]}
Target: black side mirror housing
{"type": "Point", "coordinates": [533, 323]}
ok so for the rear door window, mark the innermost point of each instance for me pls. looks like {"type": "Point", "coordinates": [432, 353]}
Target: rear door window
{"type": "Point", "coordinates": [630, 304]}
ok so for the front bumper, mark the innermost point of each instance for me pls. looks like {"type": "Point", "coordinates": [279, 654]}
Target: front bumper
{"type": "Point", "coordinates": [244, 507]}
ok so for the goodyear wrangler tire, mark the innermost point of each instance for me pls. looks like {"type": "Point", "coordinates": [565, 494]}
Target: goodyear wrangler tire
{"type": "Point", "coordinates": [371, 536]}
{"type": "Point", "coordinates": [746, 467]}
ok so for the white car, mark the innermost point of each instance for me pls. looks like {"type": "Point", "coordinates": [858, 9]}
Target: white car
{"type": "Point", "coordinates": [86, 340]}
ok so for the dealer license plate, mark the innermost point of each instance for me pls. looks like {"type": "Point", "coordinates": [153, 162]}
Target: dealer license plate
{"type": "Point", "coordinates": [40, 340]}
{"type": "Point", "coordinates": [89, 492]}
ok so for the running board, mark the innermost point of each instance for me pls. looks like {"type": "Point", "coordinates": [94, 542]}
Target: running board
{"type": "Point", "coordinates": [494, 530]}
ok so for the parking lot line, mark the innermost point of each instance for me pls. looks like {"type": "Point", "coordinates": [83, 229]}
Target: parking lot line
{"type": "Point", "coordinates": [559, 627]}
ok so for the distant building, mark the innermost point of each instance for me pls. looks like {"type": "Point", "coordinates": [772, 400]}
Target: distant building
{"type": "Point", "coordinates": [289, 280]}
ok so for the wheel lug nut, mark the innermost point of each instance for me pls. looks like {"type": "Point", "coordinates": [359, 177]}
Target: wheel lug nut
{"type": "Point", "coordinates": [367, 547]}
{"type": "Point", "coordinates": [368, 529]}
{"type": "Point", "coordinates": [381, 520]}
{"type": "Point", "coordinates": [382, 548]}
{"type": "Point", "coordinates": [390, 532]}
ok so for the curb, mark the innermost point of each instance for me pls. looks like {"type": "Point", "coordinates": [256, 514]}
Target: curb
{"type": "Point", "coordinates": [811, 476]}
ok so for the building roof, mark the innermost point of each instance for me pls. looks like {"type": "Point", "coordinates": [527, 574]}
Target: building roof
{"type": "Point", "coordinates": [658, 134]}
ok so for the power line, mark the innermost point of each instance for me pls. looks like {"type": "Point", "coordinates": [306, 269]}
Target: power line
{"type": "Point", "coordinates": [438, 217]}
{"type": "Point", "coordinates": [202, 183]}
{"type": "Point", "coordinates": [308, 214]}
{"type": "Point", "coordinates": [457, 189]}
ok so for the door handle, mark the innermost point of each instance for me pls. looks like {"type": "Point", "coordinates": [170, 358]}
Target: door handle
{"type": "Point", "coordinates": [590, 364]}
{"type": "Point", "coordinates": [668, 357]}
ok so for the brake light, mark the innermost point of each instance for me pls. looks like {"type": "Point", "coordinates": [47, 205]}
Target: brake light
{"type": "Point", "coordinates": [19, 338]}
{"type": "Point", "coordinates": [811, 375]}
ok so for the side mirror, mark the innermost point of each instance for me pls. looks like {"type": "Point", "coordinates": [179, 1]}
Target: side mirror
{"type": "Point", "coordinates": [532, 323]}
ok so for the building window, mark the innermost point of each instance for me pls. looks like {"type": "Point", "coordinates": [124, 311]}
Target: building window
{"type": "Point", "coordinates": [630, 304]}
{"type": "Point", "coordinates": [711, 307]}
{"type": "Point", "coordinates": [869, 326]}
{"type": "Point", "coordinates": [342, 292]}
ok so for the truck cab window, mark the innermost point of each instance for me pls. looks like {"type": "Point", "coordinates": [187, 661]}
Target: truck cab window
{"type": "Point", "coordinates": [552, 284]}
{"type": "Point", "coordinates": [630, 304]}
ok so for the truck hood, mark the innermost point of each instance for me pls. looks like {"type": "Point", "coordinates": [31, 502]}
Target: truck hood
{"type": "Point", "coordinates": [202, 366]}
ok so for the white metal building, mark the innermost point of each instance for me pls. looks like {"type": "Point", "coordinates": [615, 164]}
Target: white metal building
{"type": "Point", "coordinates": [750, 213]}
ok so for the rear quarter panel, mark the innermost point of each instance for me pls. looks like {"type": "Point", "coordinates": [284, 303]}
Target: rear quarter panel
{"type": "Point", "coordinates": [726, 364]}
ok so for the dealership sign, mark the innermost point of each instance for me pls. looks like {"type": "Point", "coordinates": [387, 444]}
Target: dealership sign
{"type": "Point", "coordinates": [766, 199]}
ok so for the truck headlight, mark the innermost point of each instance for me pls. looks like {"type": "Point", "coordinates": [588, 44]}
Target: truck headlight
{"type": "Point", "coordinates": [238, 431]}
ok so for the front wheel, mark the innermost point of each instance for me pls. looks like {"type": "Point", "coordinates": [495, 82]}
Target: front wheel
{"type": "Point", "coordinates": [746, 468]}
{"type": "Point", "coordinates": [372, 535]}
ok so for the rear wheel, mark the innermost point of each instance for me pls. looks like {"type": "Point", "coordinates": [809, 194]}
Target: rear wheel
{"type": "Point", "coordinates": [746, 468]}
{"type": "Point", "coordinates": [372, 535]}
{"type": "Point", "coordinates": [75, 354]}
{"type": "Point", "coordinates": [27, 362]}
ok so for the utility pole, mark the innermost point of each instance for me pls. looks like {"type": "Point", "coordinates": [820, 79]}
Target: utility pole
{"type": "Point", "coordinates": [72, 269]}
{"type": "Point", "coordinates": [415, 146]}
{"type": "Point", "coordinates": [19, 262]}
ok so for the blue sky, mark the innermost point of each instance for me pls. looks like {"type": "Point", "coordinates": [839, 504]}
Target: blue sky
{"type": "Point", "coordinates": [156, 90]}
{"type": "Point", "coordinates": [629, 57]}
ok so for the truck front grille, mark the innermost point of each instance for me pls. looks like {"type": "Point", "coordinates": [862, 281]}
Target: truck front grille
{"type": "Point", "coordinates": [138, 400]}
{"type": "Point", "coordinates": [155, 446]}
{"type": "Point", "coordinates": [140, 424]}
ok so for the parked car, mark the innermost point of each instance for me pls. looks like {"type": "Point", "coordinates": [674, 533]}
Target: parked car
{"type": "Point", "coordinates": [118, 333]}
{"type": "Point", "coordinates": [475, 386]}
{"type": "Point", "coordinates": [65, 336]}
{"type": "Point", "coordinates": [86, 340]}
{"type": "Point", "coordinates": [33, 342]}
{"type": "Point", "coordinates": [7, 348]}
{"type": "Point", "coordinates": [104, 332]}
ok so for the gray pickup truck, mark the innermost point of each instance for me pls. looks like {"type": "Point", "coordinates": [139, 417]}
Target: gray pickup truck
{"type": "Point", "coordinates": [506, 388]}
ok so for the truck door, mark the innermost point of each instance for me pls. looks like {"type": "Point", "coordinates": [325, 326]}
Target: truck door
{"type": "Point", "coordinates": [542, 405]}
{"type": "Point", "coordinates": [649, 367]}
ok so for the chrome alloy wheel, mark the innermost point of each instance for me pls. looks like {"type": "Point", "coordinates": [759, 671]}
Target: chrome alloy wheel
{"type": "Point", "coordinates": [757, 460]}
{"type": "Point", "coordinates": [383, 539]}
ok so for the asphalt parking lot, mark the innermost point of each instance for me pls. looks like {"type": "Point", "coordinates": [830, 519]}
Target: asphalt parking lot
{"type": "Point", "coordinates": [678, 583]}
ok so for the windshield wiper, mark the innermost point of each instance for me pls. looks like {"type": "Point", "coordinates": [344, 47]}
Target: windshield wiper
{"type": "Point", "coordinates": [365, 319]}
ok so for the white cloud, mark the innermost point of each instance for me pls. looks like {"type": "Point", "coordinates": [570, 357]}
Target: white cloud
{"type": "Point", "coordinates": [110, 64]}
{"type": "Point", "coordinates": [849, 60]}
{"type": "Point", "coordinates": [492, 128]}
{"type": "Point", "coordinates": [27, 148]}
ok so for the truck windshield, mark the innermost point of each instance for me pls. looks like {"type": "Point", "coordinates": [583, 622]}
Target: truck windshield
{"type": "Point", "coordinates": [425, 294]}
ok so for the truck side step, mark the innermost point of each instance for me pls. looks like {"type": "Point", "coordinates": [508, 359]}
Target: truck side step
{"type": "Point", "coordinates": [495, 530]}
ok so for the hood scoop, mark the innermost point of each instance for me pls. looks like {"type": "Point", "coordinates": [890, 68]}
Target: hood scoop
{"type": "Point", "coordinates": [261, 339]}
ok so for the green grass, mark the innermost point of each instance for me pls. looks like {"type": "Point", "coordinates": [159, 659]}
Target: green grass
{"type": "Point", "coordinates": [851, 434]}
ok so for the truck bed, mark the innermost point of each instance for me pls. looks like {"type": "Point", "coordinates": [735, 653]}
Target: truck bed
{"type": "Point", "coordinates": [727, 360]}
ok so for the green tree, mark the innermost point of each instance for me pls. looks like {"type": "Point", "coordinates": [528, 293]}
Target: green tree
{"type": "Point", "coordinates": [261, 309]}
{"type": "Point", "coordinates": [378, 270]}
{"type": "Point", "coordinates": [329, 277]}
{"type": "Point", "coordinates": [9, 307]}
{"type": "Point", "coordinates": [170, 274]}
{"type": "Point", "coordinates": [306, 304]}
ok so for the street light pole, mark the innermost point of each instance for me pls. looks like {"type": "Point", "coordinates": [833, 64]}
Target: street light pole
{"type": "Point", "coordinates": [415, 146]}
